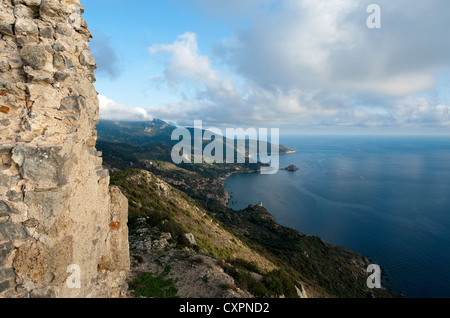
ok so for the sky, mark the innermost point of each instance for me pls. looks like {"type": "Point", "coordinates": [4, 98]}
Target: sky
{"type": "Point", "coordinates": [304, 66]}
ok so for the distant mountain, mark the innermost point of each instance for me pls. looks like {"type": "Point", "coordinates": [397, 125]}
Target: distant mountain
{"type": "Point", "coordinates": [148, 133]}
{"type": "Point", "coordinates": [138, 133]}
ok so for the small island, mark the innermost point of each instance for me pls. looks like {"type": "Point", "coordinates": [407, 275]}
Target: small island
{"type": "Point", "coordinates": [290, 168]}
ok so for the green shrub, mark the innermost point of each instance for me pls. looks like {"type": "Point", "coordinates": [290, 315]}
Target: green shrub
{"type": "Point", "coordinates": [244, 280]}
{"type": "Point", "coordinates": [146, 285]}
{"type": "Point", "coordinates": [275, 284]}
{"type": "Point", "coordinates": [280, 283]}
{"type": "Point", "coordinates": [250, 266]}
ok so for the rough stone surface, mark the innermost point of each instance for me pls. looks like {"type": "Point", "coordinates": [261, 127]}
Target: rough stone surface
{"type": "Point", "coordinates": [9, 230]}
{"type": "Point", "coordinates": [5, 210]}
{"type": "Point", "coordinates": [57, 209]}
{"type": "Point", "coordinates": [5, 250]}
{"type": "Point", "coordinates": [4, 286]}
{"type": "Point", "coordinates": [6, 29]}
{"type": "Point", "coordinates": [26, 27]}
{"type": "Point", "coordinates": [191, 239]}
{"type": "Point", "coordinates": [35, 56]}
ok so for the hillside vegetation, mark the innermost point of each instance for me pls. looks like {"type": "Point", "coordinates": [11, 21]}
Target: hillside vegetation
{"type": "Point", "coordinates": [167, 212]}
{"type": "Point", "coordinates": [180, 225]}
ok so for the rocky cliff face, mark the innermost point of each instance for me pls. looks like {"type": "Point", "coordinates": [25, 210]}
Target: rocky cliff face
{"type": "Point", "coordinates": [63, 229]}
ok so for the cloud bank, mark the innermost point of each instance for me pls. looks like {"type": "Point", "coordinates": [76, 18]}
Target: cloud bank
{"type": "Point", "coordinates": [110, 110]}
{"type": "Point", "coordinates": [313, 63]}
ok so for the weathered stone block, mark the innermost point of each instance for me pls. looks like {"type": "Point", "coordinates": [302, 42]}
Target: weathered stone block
{"type": "Point", "coordinates": [46, 32]}
{"type": "Point", "coordinates": [58, 46]}
{"type": "Point", "coordinates": [85, 88]}
{"type": "Point", "coordinates": [26, 27]}
{"type": "Point", "coordinates": [5, 122]}
{"type": "Point", "coordinates": [102, 173]}
{"type": "Point", "coordinates": [119, 236]}
{"type": "Point", "coordinates": [63, 29]}
{"type": "Point", "coordinates": [41, 164]}
{"type": "Point", "coordinates": [44, 264]}
{"type": "Point", "coordinates": [14, 196]}
{"type": "Point", "coordinates": [43, 96]}
{"type": "Point", "coordinates": [8, 180]}
{"type": "Point", "coordinates": [69, 62]}
{"type": "Point", "coordinates": [50, 9]}
{"type": "Point", "coordinates": [26, 40]}
{"type": "Point", "coordinates": [4, 150]}
{"type": "Point", "coordinates": [31, 223]}
{"type": "Point", "coordinates": [7, 273]}
{"type": "Point", "coordinates": [35, 56]}
{"type": "Point", "coordinates": [73, 104]}
{"type": "Point", "coordinates": [60, 76]}
{"type": "Point", "coordinates": [5, 210]}
{"type": "Point", "coordinates": [46, 206]}
{"type": "Point", "coordinates": [12, 231]}
{"type": "Point", "coordinates": [33, 3]}
{"type": "Point", "coordinates": [5, 251]}
{"type": "Point", "coordinates": [87, 59]}
{"type": "Point", "coordinates": [6, 29]}
{"type": "Point", "coordinates": [4, 66]}
{"type": "Point", "coordinates": [23, 11]}
{"type": "Point", "coordinates": [38, 75]}
{"type": "Point", "coordinates": [4, 286]}
{"type": "Point", "coordinates": [58, 60]}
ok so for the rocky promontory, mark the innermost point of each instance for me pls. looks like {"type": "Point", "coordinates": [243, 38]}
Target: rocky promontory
{"type": "Point", "coordinates": [291, 168]}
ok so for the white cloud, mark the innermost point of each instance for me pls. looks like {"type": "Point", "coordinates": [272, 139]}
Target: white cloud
{"type": "Point", "coordinates": [311, 62]}
{"type": "Point", "coordinates": [110, 110]}
{"type": "Point", "coordinates": [327, 45]}
{"type": "Point", "coordinates": [185, 61]}
{"type": "Point", "coordinates": [417, 112]}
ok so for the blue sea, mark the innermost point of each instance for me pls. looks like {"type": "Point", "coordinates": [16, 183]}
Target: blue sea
{"type": "Point", "coordinates": [385, 197]}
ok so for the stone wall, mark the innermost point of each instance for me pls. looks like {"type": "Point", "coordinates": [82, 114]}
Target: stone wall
{"type": "Point", "coordinates": [58, 215]}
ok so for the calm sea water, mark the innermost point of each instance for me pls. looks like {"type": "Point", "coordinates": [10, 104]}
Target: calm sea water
{"type": "Point", "coordinates": [385, 197]}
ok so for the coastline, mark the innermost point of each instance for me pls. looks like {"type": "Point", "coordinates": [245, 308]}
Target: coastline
{"type": "Point", "coordinates": [366, 260]}
{"type": "Point", "coordinates": [224, 178]}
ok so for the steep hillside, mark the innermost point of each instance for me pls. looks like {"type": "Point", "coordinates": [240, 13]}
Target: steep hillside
{"type": "Point", "coordinates": [203, 182]}
{"type": "Point", "coordinates": [324, 270]}
{"type": "Point", "coordinates": [327, 270]}
{"type": "Point", "coordinates": [179, 249]}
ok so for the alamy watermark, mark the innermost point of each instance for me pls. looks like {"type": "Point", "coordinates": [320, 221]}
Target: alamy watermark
{"type": "Point", "coordinates": [374, 19]}
{"type": "Point", "coordinates": [374, 280]}
{"type": "Point", "coordinates": [229, 147]}
{"type": "Point", "coordinates": [74, 279]}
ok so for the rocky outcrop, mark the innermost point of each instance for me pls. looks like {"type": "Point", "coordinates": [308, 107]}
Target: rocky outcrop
{"type": "Point", "coordinates": [195, 274]}
{"type": "Point", "coordinates": [63, 229]}
{"type": "Point", "coordinates": [291, 168]}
